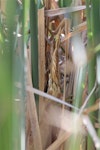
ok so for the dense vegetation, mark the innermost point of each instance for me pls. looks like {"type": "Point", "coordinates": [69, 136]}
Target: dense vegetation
{"type": "Point", "coordinates": [49, 75]}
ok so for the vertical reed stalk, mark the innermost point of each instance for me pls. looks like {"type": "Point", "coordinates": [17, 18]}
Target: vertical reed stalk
{"type": "Point", "coordinates": [93, 39]}
{"type": "Point", "coordinates": [34, 42]}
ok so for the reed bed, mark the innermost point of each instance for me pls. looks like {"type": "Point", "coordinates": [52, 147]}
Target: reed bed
{"type": "Point", "coordinates": [49, 75]}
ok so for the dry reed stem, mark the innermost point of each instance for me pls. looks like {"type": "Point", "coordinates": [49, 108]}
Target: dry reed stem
{"type": "Point", "coordinates": [41, 59]}
{"type": "Point", "coordinates": [2, 5]}
{"type": "Point", "coordinates": [62, 11]}
{"type": "Point", "coordinates": [79, 28]}
{"type": "Point", "coordinates": [44, 129]}
{"type": "Point", "coordinates": [31, 106]}
{"type": "Point", "coordinates": [41, 49]}
{"type": "Point", "coordinates": [93, 108]}
{"type": "Point", "coordinates": [60, 140]}
{"type": "Point", "coordinates": [54, 4]}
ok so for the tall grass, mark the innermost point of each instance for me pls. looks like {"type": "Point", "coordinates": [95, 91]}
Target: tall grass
{"type": "Point", "coordinates": [93, 40]}
{"type": "Point", "coordinates": [12, 66]}
{"type": "Point", "coordinates": [6, 65]}
{"type": "Point", "coordinates": [15, 20]}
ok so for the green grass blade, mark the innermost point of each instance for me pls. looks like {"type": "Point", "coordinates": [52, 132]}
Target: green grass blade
{"type": "Point", "coordinates": [6, 101]}
{"type": "Point", "coordinates": [64, 3]}
{"type": "Point", "coordinates": [12, 60]}
{"type": "Point", "coordinates": [93, 40]}
{"type": "Point", "coordinates": [34, 42]}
